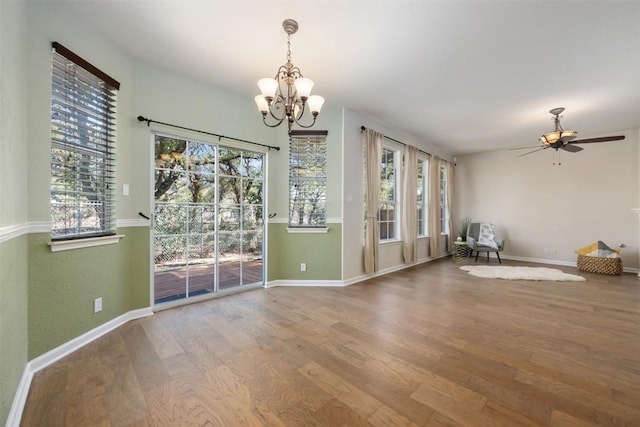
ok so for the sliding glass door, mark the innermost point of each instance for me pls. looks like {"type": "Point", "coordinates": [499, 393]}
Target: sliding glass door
{"type": "Point", "coordinates": [208, 220]}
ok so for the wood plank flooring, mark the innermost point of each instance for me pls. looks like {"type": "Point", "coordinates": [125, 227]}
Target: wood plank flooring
{"type": "Point", "coordinates": [427, 346]}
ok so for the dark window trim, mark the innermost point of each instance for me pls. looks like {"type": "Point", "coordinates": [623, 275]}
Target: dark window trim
{"type": "Point", "coordinates": [113, 83]}
{"type": "Point", "coordinates": [309, 133]}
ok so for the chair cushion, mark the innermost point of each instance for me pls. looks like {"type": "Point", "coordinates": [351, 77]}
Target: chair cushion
{"type": "Point", "coordinates": [487, 236]}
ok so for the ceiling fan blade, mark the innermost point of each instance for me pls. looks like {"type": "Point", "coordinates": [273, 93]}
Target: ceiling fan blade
{"type": "Point", "coordinates": [601, 139]}
{"type": "Point", "coordinates": [528, 146]}
{"type": "Point", "coordinates": [525, 154]}
{"type": "Point", "coordinates": [572, 148]}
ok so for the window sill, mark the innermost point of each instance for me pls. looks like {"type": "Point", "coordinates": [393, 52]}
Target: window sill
{"type": "Point", "coordinates": [389, 242]}
{"type": "Point", "coordinates": [308, 230]}
{"type": "Point", "coordinates": [66, 245]}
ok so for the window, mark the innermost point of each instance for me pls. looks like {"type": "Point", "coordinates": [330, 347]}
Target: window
{"type": "Point", "coordinates": [83, 104]}
{"type": "Point", "coordinates": [308, 179]}
{"type": "Point", "coordinates": [423, 190]}
{"type": "Point", "coordinates": [387, 200]}
{"type": "Point", "coordinates": [443, 200]}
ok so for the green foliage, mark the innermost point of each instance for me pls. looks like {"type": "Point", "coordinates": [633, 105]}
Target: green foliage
{"type": "Point", "coordinates": [187, 202]}
{"type": "Point", "coordinates": [462, 226]}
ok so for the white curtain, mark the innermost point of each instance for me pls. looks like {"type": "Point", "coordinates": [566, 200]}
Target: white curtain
{"type": "Point", "coordinates": [450, 187]}
{"type": "Point", "coordinates": [409, 223]}
{"type": "Point", "coordinates": [373, 150]}
{"type": "Point", "coordinates": [434, 206]}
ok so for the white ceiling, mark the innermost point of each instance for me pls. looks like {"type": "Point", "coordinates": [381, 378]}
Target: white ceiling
{"type": "Point", "coordinates": [469, 76]}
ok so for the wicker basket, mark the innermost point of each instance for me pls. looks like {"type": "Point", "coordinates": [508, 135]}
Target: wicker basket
{"type": "Point", "coordinates": [592, 264]}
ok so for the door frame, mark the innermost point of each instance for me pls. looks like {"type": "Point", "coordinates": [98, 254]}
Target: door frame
{"type": "Point", "coordinates": [217, 142]}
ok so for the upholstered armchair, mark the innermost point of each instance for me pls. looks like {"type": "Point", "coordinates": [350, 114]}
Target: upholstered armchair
{"type": "Point", "coordinates": [480, 238]}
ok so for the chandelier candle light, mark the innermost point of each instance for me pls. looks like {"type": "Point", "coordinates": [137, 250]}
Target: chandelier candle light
{"type": "Point", "coordinates": [288, 95]}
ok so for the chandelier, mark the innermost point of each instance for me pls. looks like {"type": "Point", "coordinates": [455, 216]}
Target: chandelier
{"type": "Point", "coordinates": [558, 134]}
{"type": "Point", "coordinates": [288, 95]}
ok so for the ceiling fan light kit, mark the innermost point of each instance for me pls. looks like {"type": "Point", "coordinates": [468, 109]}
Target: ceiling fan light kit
{"type": "Point", "coordinates": [558, 134]}
{"type": "Point", "coordinates": [288, 95]}
{"type": "Point", "coordinates": [559, 138]}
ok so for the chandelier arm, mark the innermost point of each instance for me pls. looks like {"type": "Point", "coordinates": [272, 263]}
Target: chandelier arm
{"type": "Point", "coordinates": [295, 72]}
{"type": "Point", "coordinates": [308, 126]}
{"type": "Point", "coordinates": [279, 121]}
{"type": "Point", "coordinates": [302, 110]}
{"type": "Point", "coordinates": [284, 95]}
{"type": "Point", "coordinates": [280, 101]}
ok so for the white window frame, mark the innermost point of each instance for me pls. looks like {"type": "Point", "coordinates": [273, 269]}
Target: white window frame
{"type": "Point", "coordinates": [444, 208]}
{"type": "Point", "coordinates": [423, 190]}
{"type": "Point", "coordinates": [394, 231]}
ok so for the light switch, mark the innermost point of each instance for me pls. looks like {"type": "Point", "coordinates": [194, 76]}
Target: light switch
{"type": "Point", "coordinates": [125, 189]}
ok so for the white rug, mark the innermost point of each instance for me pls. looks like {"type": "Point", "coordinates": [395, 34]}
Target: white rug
{"type": "Point", "coordinates": [520, 273]}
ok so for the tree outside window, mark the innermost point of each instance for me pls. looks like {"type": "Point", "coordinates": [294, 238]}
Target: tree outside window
{"type": "Point", "coordinates": [387, 200]}
{"type": "Point", "coordinates": [308, 179]}
{"type": "Point", "coordinates": [444, 209]}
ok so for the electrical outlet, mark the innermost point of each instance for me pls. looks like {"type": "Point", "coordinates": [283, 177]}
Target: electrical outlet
{"type": "Point", "coordinates": [97, 305]}
{"type": "Point", "coordinates": [125, 189]}
{"type": "Point", "coordinates": [303, 266]}
{"type": "Point", "coordinates": [553, 251]}
{"type": "Point", "coordinates": [546, 251]}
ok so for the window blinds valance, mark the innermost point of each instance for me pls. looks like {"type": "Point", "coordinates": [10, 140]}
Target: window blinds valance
{"type": "Point", "coordinates": [60, 49]}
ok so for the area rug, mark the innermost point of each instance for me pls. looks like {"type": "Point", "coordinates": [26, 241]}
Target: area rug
{"type": "Point", "coordinates": [520, 273]}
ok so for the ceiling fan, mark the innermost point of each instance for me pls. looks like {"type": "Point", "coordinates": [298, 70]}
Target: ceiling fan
{"type": "Point", "coordinates": [560, 139]}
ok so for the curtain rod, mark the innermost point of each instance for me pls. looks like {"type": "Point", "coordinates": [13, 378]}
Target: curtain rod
{"type": "Point", "coordinates": [149, 121]}
{"type": "Point", "coordinates": [362, 129]}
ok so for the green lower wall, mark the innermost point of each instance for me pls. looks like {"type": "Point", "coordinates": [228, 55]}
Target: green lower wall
{"type": "Point", "coordinates": [13, 320]}
{"type": "Point", "coordinates": [139, 266]}
{"type": "Point", "coordinates": [322, 252]}
{"type": "Point", "coordinates": [46, 298]}
{"type": "Point", "coordinates": [63, 286]}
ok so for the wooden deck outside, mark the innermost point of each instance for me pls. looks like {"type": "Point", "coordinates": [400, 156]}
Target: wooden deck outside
{"type": "Point", "coordinates": [170, 285]}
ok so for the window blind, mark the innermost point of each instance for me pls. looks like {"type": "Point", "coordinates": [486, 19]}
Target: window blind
{"type": "Point", "coordinates": [308, 179]}
{"type": "Point", "coordinates": [83, 127]}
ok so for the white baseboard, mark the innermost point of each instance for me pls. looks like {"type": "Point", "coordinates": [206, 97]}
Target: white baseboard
{"type": "Point", "coordinates": [559, 262]}
{"type": "Point", "coordinates": [350, 281]}
{"type": "Point", "coordinates": [20, 398]}
{"type": "Point", "coordinates": [539, 260]}
{"type": "Point", "coordinates": [52, 356]}
{"type": "Point", "coordinates": [389, 270]}
{"type": "Point", "coordinates": [307, 283]}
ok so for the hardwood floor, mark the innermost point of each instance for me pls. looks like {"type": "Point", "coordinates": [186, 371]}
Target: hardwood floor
{"type": "Point", "coordinates": [428, 346]}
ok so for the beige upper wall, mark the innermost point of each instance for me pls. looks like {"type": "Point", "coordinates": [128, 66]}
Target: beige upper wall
{"type": "Point", "coordinates": [353, 196]}
{"type": "Point", "coordinates": [144, 90]}
{"type": "Point", "coordinates": [52, 21]}
{"type": "Point", "coordinates": [13, 205]}
{"type": "Point", "coordinates": [13, 114]}
{"type": "Point", "coordinates": [165, 96]}
{"type": "Point", "coordinates": [536, 205]}
{"type": "Point", "coordinates": [330, 119]}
